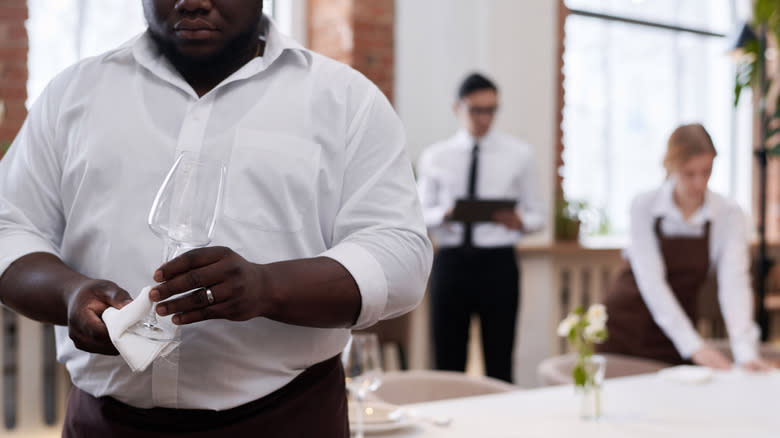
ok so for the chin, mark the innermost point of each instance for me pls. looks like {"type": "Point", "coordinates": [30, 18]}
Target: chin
{"type": "Point", "coordinates": [197, 51]}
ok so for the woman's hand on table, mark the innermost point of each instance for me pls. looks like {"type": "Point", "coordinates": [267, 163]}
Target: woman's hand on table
{"type": "Point", "coordinates": [758, 365]}
{"type": "Point", "coordinates": [710, 357]}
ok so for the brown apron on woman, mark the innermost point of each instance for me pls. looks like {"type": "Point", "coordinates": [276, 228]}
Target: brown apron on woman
{"type": "Point", "coordinates": [632, 330]}
{"type": "Point", "coordinates": [314, 404]}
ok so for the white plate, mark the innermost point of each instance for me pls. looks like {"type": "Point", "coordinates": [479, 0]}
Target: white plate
{"type": "Point", "coordinates": [689, 374]}
{"type": "Point", "coordinates": [379, 417]}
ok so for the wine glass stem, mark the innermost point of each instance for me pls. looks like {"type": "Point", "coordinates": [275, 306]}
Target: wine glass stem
{"type": "Point", "coordinates": [170, 251]}
{"type": "Point", "coordinates": [360, 396]}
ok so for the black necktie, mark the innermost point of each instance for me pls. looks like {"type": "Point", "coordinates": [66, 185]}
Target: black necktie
{"type": "Point", "coordinates": [472, 191]}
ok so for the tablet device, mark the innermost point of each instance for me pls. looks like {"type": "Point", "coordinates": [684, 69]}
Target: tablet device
{"type": "Point", "coordinates": [479, 210]}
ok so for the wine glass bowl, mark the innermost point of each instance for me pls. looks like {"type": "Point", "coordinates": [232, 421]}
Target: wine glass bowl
{"type": "Point", "coordinates": [186, 206]}
{"type": "Point", "coordinates": [184, 215]}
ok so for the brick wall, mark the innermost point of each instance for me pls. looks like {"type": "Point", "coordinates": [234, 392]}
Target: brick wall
{"type": "Point", "coordinates": [563, 12]}
{"type": "Point", "coordinates": [13, 67]}
{"type": "Point", "coordinates": [773, 201]}
{"type": "Point", "coordinates": [357, 32]}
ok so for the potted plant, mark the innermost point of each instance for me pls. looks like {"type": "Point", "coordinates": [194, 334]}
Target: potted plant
{"type": "Point", "coordinates": [567, 219]}
{"type": "Point", "coordinates": [755, 48]}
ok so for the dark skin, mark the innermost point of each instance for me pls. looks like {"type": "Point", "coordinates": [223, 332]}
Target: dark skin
{"type": "Point", "coordinates": [206, 40]}
{"type": "Point", "coordinates": [42, 287]}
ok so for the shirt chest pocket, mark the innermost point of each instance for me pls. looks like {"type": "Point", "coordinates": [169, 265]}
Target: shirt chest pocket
{"type": "Point", "coordinates": [271, 180]}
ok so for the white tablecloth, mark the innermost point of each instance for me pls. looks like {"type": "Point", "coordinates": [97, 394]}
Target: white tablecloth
{"type": "Point", "coordinates": [732, 405]}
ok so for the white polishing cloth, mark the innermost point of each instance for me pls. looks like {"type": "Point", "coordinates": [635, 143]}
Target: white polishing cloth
{"type": "Point", "coordinates": [138, 351]}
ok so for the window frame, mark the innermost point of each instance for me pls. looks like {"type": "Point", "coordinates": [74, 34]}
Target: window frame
{"type": "Point", "coordinates": [564, 13]}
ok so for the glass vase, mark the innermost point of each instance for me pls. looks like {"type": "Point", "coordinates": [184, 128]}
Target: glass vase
{"type": "Point", "coordinates": [595, 367]}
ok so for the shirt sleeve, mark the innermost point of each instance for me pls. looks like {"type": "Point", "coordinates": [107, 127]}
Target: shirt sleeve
{"type": "Point", "coordinates": [379, 234]}
{"type": "Point", "coordinates": [430, 190]}
{"type": "Point", "coordinates": [31, 218]}
{"type": "Point", "coordinates": [529, 205]}
{"type": "Point", "coordinates": [650, 272]}
{"type": "Point", "coordinates": [734, 292]}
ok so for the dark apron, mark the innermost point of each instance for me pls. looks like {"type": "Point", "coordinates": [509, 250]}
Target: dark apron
{"type": "Point", "coordinates": [314, 404]}
{"type": "Point", "coordinates": [632, 330]}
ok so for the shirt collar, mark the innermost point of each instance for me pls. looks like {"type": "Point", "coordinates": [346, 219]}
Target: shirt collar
{"type": "Point", "coordinates": [143, 49]}
{"type": "Point", "coordinates": [465, 140]}
{"type": "Point", "coordinates": [277, 43]}
{"type": "Point", "coordinates": [664, 205]}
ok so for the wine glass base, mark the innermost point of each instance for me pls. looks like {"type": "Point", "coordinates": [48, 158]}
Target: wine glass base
{"type": "Point", "coordinates": [152, 332]}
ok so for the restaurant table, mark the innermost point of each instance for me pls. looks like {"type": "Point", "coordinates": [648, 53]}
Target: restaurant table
{"type": "Point", "coordinates": [733, 404]}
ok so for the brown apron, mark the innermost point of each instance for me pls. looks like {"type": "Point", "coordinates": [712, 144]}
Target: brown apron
{"type": "Point", "coordinates": [632, 330]}
{"type": "Point", "coordinates": [314, 404]}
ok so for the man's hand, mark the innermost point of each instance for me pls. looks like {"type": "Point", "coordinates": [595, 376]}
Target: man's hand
{"type": "Point", "coordinates": [710, 357]}
{"type": "Point", "coordinates": [41, 287]}
{"type": "Point", "coordinates": [312, 292]}
{"type": "Point", "coordinates": [508, 218]}
{"type": "Point", "coordinates": [235, 284]}
{"type": "Point", "coordinates": [85, 309]}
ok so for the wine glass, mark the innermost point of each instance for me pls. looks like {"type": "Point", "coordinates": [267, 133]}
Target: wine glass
{"type": "Point", "coordinates": [363, 371]}
{"type": "Point", "coordinates": [183, 214]}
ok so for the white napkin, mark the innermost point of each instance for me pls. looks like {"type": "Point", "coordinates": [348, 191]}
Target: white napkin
{"type": "Point", "coordinates": [136, 350]}
{"type": "Point", "coordinates": [689, 374]}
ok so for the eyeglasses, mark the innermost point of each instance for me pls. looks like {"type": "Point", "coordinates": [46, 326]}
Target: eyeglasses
{"type": "Point", "coordinates": [483, 110]}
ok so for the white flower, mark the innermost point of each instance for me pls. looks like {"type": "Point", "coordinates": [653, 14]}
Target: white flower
{"type": "Point", "coordinates": [594, 332]}
{"type": "Point", "coordinates": [567, 324]}
{"type": "Point", "coordinates": [597, 314]}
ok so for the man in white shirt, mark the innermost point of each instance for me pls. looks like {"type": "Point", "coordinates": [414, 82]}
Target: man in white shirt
{"type": "Point", "coordinates": [475, 271]}
{"type": "Point", "coordinates": [321, 230]}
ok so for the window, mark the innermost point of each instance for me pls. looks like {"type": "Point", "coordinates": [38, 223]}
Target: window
{"type": "Point", "coordinates": [62, 32]}
{"type": "Point", "coordinates": [634, 70]}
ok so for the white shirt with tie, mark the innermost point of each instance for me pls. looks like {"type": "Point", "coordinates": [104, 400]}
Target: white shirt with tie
{"type": "Point", "coordinates": [505, 170]}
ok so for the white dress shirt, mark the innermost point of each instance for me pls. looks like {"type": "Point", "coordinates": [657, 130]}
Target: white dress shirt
{"type": "Point", "coordinates": [317, 166]}
{"type": "Point", "coordinates": [505, 170]}
{"type": "Point", "coordinates": [728, 247]}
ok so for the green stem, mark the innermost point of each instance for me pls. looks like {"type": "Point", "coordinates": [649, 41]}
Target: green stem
{"type": "Point", "coordinates": [597, 400]}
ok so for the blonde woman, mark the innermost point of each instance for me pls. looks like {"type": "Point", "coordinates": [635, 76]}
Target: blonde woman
{"type": "Point", "coordinates": [680, 232]}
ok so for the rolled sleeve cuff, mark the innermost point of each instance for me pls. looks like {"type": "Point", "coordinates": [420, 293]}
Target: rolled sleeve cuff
{"type": "Point", "coordinates": [16, 246]}
{"type": "Point", "coordinates": [688, 344]}
{"type": "Point", "coordinates": [531, 222]}
{"type": "Point", "coordinates": [369, 276]}
{"type": "Point", "coordinates": [745, 349]}
{"type": "Point", "coordinates": [434, 216]}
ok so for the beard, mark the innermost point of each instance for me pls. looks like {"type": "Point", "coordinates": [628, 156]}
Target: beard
{"type": "Point", "coordinates": [214, 63]}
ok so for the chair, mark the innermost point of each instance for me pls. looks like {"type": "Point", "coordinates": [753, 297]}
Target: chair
{"type": "Point", "coordinates": [417, 386]}
{"type": "Point", "coordinates": [557, 370]}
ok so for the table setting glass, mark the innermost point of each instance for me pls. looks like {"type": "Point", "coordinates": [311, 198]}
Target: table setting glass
{"type": "Point", "coordinates": [363, 372]}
